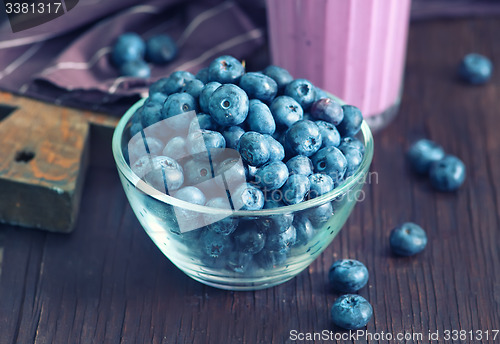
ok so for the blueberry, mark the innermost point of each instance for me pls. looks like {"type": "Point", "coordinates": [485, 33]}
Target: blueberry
{"type": "Point", "coordinates": [276, 150]}
{"type": "Point", "coordinates": [275, 223]}
{"type": "Point", "coordinates": [328, 110]}
{"type": "Point", "coordinates": [161, 49]}
{"type": "Point", "coordinates": [249, 238]}
{"type": "Point", "coordinates": [128, 47]}
{"type": "Point", "coordinates": [268, 259]}
{"type": "Point", "coordinates": [203, 75]}
{"type": "Point", "coordinates": [150, 114]}
{"type": "Point", "coordinates": [135, 128]}
{"type": "Point", "coordinates": [225, 69]}
{"type": "Point", "coordinates": [331, 161]}
{"type": "Point", "coordinates": [280, 75]}
{"type": "Point", "coordinates": [140, 146]}
{"type": "Point", "coordinates": [407, 239]}
{"type": "Point", "coordinates": [475, 69]}
{"type": "Point", "coordinates": [302, 91]}
{"type": "Point", "coordinates": [295, 189]}
{"type": "Point", "coordinates": [232, 135]}
{"type": "Point", "coordinates": [191, 194]}
{"type": "Point", "coordinates": [348, 275]}
{"type": "Point", "coordinates": [175, 105]}
{"type": "Point", "coordinates": [300, 164]}
{"type": "Point", "coordinates": [197, 170]}
{"type": "Point", "coordinates": [176, 81]}
{"type": "Point", "coordinates": [447, 174]}
{"type": "Point", "coordinates": [205, 141]}
{"type": "Point", "coordinates": [214, 244]}
{"type": "Point", "coordinates": [271, 176]}
{"type": "Point", "coordinates": [228, 105]}
{"type": "Point", "coordinates": [175, 148]}
{"type": "Point", "coordinates": [156, 97]}
{"type": "Point", "coordinates": [240, 262]}
{"type": "Point", "coordinates": [202, 121]}
{"type": "Point", "coordinates": [260, 118]}
{"type": "Point", "coordinates": [330, 136]}
{"type": "Point", "coordinates": [305, 230]}
{"type": "Point", "coordinates": [232, 171]}
{"type": "Point", "coordinates": [164, 174]}
{"type": "Point", "coordinates": [224, 226]}
{"type": "Point", "coordinates": [193, 87]}
{"type": "Point", "coordinates": [303, 138]}
{"type": "Point", "coordinates": [351, 124]}
{"type": "Point", "coordinates": [351, 312]}
{"type": "Point", "coordinates": [247, 197]}
{"type": "Point", "coordinates": [206, 93]}
{"type": "Point", "coordinates": [157, 86]}
{"type": "Point", "coordinates": [254, 148]}
{"type": "Point", "coordinates": [259, 86]}
{"type": "Point", "coordinates": [351, 142]}
{"type": "Point", "coordinates": [353, 157]}
{"type": "Point", "coordinates": [320, 94]}
{"type": "Point", "coordinates": [423, 153]}
{"type": "Point", "coordinates": [320, 184]}
{"type": "Point", "coordinates": [281, 241]}
{"type": "Point", "coordinates": [319, 215]}
{"type": "Point", "coordinates": [135, 69]}
{"type": "Point", "coordinates": [286, 111]}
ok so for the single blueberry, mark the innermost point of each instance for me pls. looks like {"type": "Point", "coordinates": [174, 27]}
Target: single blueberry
{"type": "Point", "coordinates": [269, 260]}
{"type": "Point", "coordinates": [305, 230]}
{"type": "Point", "coordinates": [351, 312]}
{"type": "Point", "coordinates": [197, 170]}
{"type": "Point", "coordinates": [254, 148]}
{"type": "Point", "coordinates": [348, 275]}
{"type": "Point", "coordinates": [150, 114]}
{"type": "Point", "coordinates": [423, 153]}
{"type": "Point", "coordinates": [157, 86]}
{"type": "Point", "coordinates": [202, 121]}
{"type": "Point", "coordinates": [139, 146]}
{"type": "Point", "coordinates": [260, 118]}
{"type": "Point", "coordinates": [330, 136]}
{"type": "Point", "coordinates": [276, 150]}
{"type": "Point", "coordinates": [328, 110]}
{"type": "Point", "coordinates": [215, 244]}
{"type": "Point", "coordinates": [239, 262]}
{"type": "Point", "coordinates": [232, 135]}
{"type": "Point", "coordinates": [175, 148]}
{"type": "Point", "coordinates": [206, 94]}
{"type": "Point", "coordinates": [193, 87]}
{"type": "Point", "coordinates": [319, 215]}
{"type": "Point", "coordinates": [271, 176]}
{"type": "Point", "coordinates": [275, 223]}
{"type": "Point", "coordinates": [353, 156]}
{"type": "Point", "coordinates": [280, 75]}
{"type": "Point", "coordinates": [300, 164]}
{"type": "Point", "coordinates": [161, 49]}
{"type": "Point", "coordinates": [281, 241]}
{"type": "Point", "coordinates": [475, 69]}
{"type": "Point", "coordinates": [259, 86]}
{"type": "Point", "coordinates": [320, 184]}
{"type": "Point", "coordinates": [447, 174]}
{"type": "Point", "coordinates": [128, 47]}
{"type": "Point", "coordinates": [164, 174]}
{"type": "Point", "coordinates": [351, 124]}
{"type": "Point", "coordinates": [320, 94]}
{"type": "Point", "coordinates": [249, 238]}
{"type": "Point", "coordinates": [228, 105]}
{"type": "Point", "coordinates": [331, 161]}
{"type": "Point", "coordinates": [176, 105]}
{"type": "Point", "coordinates": [407, 239]}
{"type": "Point", "coordinates": [303, 138]}
{"type": "Point", "coordinates": [224, 226]}
{"type": "Point", "coordinates": [135, 128]}
{"type": "Point", "coordinates": [156, 97]}
{"type": "Point", "coordinates": [135, 69]}
{"type": "Point", "coordinates": [286, 111]}
{"type": "Point", "coordinates": [203, 75]}
{"type": "Point", "coordinates": [351, 142]}
{"type": "Point", "coordinates": [295, 189]}
{"type": "Point", "coordinates": [302, 91]}
{"type": "Point", "coordinates": [225, 69]}
{"type": "Point", "coordinates": [205, 141]}
{"type": "Point", "coordinates": [247, 197]}
{"type": "Point", "coordinates": [231, 171]}
{"type": "Point", "coordinates": [191, 194]}
{"type": "Point", "coordinates": [176, 81]}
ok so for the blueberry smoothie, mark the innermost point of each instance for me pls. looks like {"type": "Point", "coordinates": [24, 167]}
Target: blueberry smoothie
{"type": "Point", "coordinates": [354, 49]}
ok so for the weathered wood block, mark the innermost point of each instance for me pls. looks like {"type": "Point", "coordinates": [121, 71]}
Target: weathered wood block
{"type": "Point", "coordinates": [43, 160]}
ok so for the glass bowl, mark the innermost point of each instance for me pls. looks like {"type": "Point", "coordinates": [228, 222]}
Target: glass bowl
{"type": "Point", "coordinates": [316, 221]}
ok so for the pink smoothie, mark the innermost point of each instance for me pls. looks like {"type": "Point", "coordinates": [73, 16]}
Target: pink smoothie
{"type": "Point", "coordinates": [354, 49]}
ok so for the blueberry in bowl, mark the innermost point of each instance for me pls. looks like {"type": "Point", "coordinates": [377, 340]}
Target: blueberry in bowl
{"type": "Point", "coordinates": [232, 207]}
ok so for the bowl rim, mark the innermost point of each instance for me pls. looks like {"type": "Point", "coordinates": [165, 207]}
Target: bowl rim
{"type": "Point", "coordinates": [125, 171]}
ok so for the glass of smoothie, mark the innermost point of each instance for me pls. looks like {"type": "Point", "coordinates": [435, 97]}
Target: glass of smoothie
{"type": "Point", "coordinates": [354, 49]}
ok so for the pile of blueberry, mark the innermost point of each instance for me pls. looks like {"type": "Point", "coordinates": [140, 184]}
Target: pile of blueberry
{"type": "Point", "coordinates": [446, 172]}
{"type": "Point", "coordinates": [131, 53]}
{"type": "Point", "coordinates": [293, 143]}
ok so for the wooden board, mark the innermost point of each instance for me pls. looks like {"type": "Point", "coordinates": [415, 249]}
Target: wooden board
{"type": "Point", "coordinates": [43, 159]}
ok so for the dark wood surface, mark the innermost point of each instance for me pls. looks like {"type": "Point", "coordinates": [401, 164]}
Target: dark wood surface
{"type": "Point", "coordinates": [108, 283]}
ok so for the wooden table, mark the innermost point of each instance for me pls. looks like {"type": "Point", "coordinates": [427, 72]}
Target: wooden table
{"type": "Point", "coordinates": [108, 283]}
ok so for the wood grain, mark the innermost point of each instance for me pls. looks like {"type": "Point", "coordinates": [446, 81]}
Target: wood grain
{"type": "Point", "coordinates": [107, 282]}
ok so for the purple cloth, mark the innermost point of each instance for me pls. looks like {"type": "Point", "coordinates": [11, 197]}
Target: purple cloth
{"type": "Point", "coordinates": [71, 65]}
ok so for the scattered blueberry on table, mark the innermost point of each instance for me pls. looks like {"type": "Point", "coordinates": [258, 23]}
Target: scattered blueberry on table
{"type": "Point", "coordinates": [407, 239]}
{"type": "Point", "coordinates": [447, 174]}
{"type": "Point", "coordinates": [351, 312]}
{"type": "Point", "coordinates": [476, 69]}
{"type": "Point", "coordinates": [348, 275]}
{"type": "Point", "coordinates": [423, 153]}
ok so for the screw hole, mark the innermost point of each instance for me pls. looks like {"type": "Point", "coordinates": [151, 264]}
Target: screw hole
{"type": "Point", "coordinates": [24, 156]}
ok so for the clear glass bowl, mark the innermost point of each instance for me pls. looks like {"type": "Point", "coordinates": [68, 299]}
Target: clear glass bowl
{"type": "Point", "coordinates": [156, 213]}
